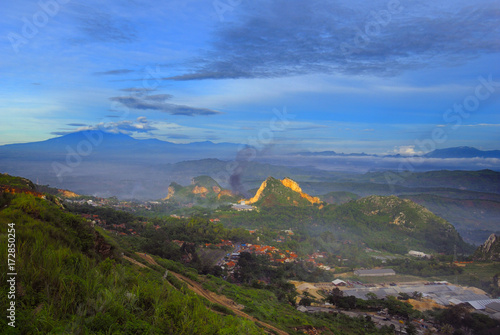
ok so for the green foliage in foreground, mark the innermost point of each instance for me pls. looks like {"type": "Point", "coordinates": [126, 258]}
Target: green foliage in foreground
{"type": "Point", "coordinates": [66, 286]}
{"type": "Point", "coordinates": [18, 182]}
{"type": "Point", "coordinates": [63, 285]}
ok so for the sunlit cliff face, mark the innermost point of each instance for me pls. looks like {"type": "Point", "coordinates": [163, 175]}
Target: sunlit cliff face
{"type": "Point", "coordinates": [287, 182]}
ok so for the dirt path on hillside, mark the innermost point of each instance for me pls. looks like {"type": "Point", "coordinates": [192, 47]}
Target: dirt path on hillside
{"type": "Point", "coordinates": [210, 296]}
{"type": "Point", "coordinates": [222, 300]}
{"type": "Point", "coordinates": [147, 258]}
{"type": "Point", "coordinates": [134, 261]}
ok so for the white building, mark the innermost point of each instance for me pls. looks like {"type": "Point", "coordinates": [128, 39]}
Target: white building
{"type": "Point", "coordinates": [418, 254]}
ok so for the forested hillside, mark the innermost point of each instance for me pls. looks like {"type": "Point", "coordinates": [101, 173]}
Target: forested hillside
{"type": "Point", "coordinates": [75, 278]}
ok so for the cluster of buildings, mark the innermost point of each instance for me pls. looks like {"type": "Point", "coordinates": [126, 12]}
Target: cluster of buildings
{"type": "Point", "coordinates": [274, 253]}
{"type": "Point", "coordinates": [419, 254]}
{"type": "Point", "coordinates": [242, 207]}
{"type": "Point", "coordinates": [117, 229]}
{"type": "Point", "coordinates": [97, 202]}
{"type": "Point", "coordinates": [317, 258]}
{"type": "Point", "coordinates": [94, 219]}
{"type": "Point", "coordinates": [222, 244]}
{"type": "Point", "coordinates": [113, 203]}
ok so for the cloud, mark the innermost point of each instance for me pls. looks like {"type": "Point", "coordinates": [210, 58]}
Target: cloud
{"type": "Point", "coordinates": [127, 127]}
{"type": "Point", "coordinates": [137, 90]}
{"type": "Point", "coordinates": [406, 150]}
{"type": "Point", "coordinates": [113, 72]}
{"type": "Point", "coordinates": [482, 125]}
{"type": "Point", "coordinates": [363, 164]}
{"type": "Point", "coordinates": [178, 137]}
{"type": "Point", "coordinates": [77, 124]}
{"type": "Point", "coordinates": [99, 26]}
{"type": "Point", "coordinates": [140, 125]}
{"type": "Point", "coordinates": [310, 127]}
{"type": "Point", "coordinates": [158, 97]}
{"type": "Point", "coordinates": [284, 38]}
{"type": "Point", "coordinates": [158, 103]}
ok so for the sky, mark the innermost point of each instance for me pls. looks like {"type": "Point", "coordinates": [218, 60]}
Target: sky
{"type": "Point", "coordinates": [382, 77]}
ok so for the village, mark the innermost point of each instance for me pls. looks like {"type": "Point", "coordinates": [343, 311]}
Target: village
{"type": "Point", "coordinates": [421, 294]}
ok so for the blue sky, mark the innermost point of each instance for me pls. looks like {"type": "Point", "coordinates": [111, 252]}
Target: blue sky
{"type": "Point", "coordinates": [352, 76]}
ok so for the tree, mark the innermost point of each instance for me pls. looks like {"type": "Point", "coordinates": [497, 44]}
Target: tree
{"type": "Point", "coordinates": [447, 329]}
{"type": "Point", "coordinates": [306, 301]}
{"type": "Point", "coordinates": [403, 296]}
{"type": "Point", "coordinates": [410, 328]}
{"type": "Point", "coordinates": [417, 295]}
{"type": "Point", "coordinates": [334, 296]}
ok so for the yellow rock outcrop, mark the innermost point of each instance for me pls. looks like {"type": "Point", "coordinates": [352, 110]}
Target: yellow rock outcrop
{"type": "Point", "coordinates": [295, 187]}
{"type": "Point", "coordinates": [257, 195]}
{"type": "Point", "coordinates": [225, 192]}
{"type": "Point", "coordinates": [170, 193]}
{"type": "Point", "coordinates": [68, 194]}
{"type": "Point", "coordinates": [287, 182]}
{"type": "Point", "coordinates": [200, 190]}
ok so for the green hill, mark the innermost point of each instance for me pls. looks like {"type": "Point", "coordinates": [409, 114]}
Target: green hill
{"type": "Point", "coordinates": [22, 183]}
{"type": "Point", "coordinates": [338, 198]}
{"type": "Point", "coordinates": [394, 223]}
{"type": "Point", "coordinates": [383, 223]}
{"type": "Point", "coordinates": [204, 190]}
{"type": "Point", "coordinates": [285, 192]}
{"type": "Point", "coordinates": [475, 219]}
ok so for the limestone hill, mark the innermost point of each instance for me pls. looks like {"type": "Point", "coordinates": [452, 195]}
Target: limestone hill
{"type": "Point", "coordinates": [274, 192]}
{"type": "Point", "coordinates": [490, 250]}
{"type": "Point", "coordinates": [203, 190]}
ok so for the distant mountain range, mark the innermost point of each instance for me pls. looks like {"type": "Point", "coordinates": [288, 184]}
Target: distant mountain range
{"type": "Point", "coordinates": [98, 145]}
{"type": "Point", "coordinates": [106, 164]}
{"type": "Point", "coordinates": [455, 152]}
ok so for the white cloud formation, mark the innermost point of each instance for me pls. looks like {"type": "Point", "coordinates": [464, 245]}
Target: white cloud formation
{"type": "Point", "coordinates": [406, 150]}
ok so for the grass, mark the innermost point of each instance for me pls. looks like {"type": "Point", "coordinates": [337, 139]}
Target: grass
{"type": "Point", "coordinates": [65, 287]}
{"type": "Point", "coordinates": [477, 274]}
{"type": "Point", "coordinates": [387, 279]}
{"type": "Point", "coordinates": [483, 269]}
